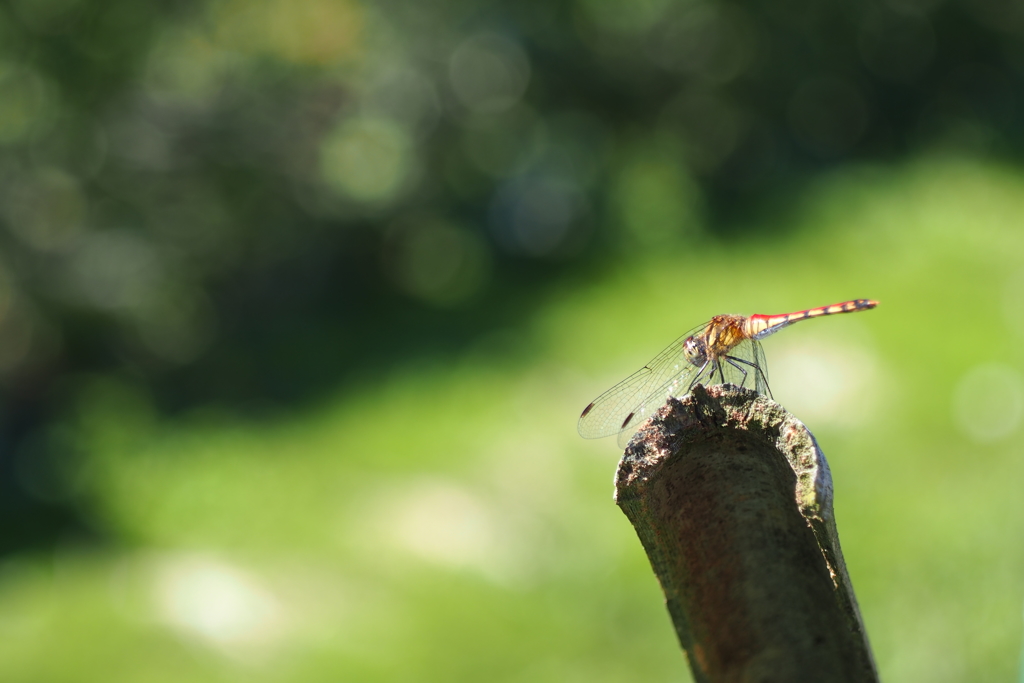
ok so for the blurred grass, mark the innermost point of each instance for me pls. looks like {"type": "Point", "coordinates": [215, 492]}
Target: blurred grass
{"type": "Point", "coordinates": [445, 522]}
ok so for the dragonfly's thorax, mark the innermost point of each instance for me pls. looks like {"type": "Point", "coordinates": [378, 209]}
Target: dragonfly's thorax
{"type": "Point", "coordinates": [723, 334]}
{"type": "Point", "coordinates": [720, 335]}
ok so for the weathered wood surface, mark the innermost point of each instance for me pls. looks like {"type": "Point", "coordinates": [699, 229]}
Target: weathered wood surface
{"type": "Point", "coordinates": [732, 500]}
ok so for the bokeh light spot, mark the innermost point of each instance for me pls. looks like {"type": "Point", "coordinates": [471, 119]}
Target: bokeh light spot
{"type": "Point", "coordinates": [826, 382]}
{"type": "Point", "coordinates": [367, 159]}
{"type": "Point", "coordinates": [297, 31]}
{"type": "Point", "coordinates": [505, 144]}
{"type": "Point", "coordinates": [116, 270]}
{"type": "Point", "coordinates": [623, 16]}
{"type": "Point", "coordinates": [78, 147]}
{"type": "Point", "coordinates": [407, 96]}
{"type": "Point", "coordinates": [710, 41]}
{"type": "Point", "coordinates": [448, 525]}
{"type": "Point", "coordinates": [489, 73]}
{"type": "Point", "coordinates": [141, 140]}
{"type": "Point", "coordinates": [45, 210]}
{"type": "Point", "coordinates": [535, 216]}
{"type": "Point", "coordinates": [437, 262]}
{"type": "Point", "coordinates": [216, 602]}
{"type": "Point", "coordinates": [185, 66]}
{"type": "Point", "coordinates": [578, 145]}
{"type": "Point", "coordinates": [25, 101]}
{"type": "Point", "coordinates": [656, 200]}
{"type": "Point", "coordinates": [988, 402]}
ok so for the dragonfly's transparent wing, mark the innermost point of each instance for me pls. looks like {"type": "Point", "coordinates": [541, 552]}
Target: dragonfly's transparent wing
{"type": "Point", "coordinates": [626, 435]}
{"type": "Point", "coordinates": [762, 369]}
{"type": "Point", "coordinates": [745, 366]}
{"type": "Point", "coordinates": [635, 398]}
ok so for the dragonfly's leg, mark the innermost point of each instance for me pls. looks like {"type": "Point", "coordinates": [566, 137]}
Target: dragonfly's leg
{"type": "Point", "coordinates": [721, 373]}
{"type": "Point", "coordinates": [732, 362]}
{"type": "Point", "coordinates": [696, 378]}
{"type": "Point", "coordinates": [757, 369]}
{"type": "Point", "coordinates": [765, 379]}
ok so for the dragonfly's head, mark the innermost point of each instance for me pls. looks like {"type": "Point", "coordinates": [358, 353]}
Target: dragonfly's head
{"type": "Point", "coordinates": [695, 350]}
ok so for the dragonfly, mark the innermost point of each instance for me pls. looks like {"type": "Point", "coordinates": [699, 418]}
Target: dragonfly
{"type": "Point", "coordinates": [724, 349]}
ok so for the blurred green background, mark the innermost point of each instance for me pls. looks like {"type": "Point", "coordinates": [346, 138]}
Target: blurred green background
{"type": "Point", "coordinates": [300, 301]}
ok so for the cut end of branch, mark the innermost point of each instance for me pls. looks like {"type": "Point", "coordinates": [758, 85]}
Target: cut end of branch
{"type": "Point", "coordinates": [732, 500]}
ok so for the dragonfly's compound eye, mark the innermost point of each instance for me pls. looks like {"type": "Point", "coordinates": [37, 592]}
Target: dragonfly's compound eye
{"type": "Point", "coordinates": [695, 350]}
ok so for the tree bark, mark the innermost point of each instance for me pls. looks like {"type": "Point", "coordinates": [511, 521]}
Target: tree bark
{"type": "Point", "coordinates": [732, 500]}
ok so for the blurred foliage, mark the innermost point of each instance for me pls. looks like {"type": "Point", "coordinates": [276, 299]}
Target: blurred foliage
{"type": "Point", "coordinates": [252, 202]}
{"type": "Point", "coordinates": [218, 212]}
{"type": "Point", "coordinates": [444, 522]}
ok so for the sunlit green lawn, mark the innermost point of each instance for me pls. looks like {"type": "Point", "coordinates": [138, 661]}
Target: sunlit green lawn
{"type": "Point", "coordinates": [446, 523]}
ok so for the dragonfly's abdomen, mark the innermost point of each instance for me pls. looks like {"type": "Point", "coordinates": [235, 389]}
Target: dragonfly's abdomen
{"type": "Point", "coordinates": [760, 326]}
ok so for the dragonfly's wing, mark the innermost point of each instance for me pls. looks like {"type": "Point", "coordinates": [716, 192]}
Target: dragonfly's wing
{"type": "Point", "coordinates": [626, 435]}
{"type": "Point", "coordinates": [635, 398]}
{"type": "Point", "coordinates": [744, 366]}
{"type": "Point", "coordinates": [761, 385]}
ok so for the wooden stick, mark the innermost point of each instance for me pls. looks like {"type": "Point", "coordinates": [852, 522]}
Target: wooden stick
{"type": "Point", "coordinates": [732, 500]}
